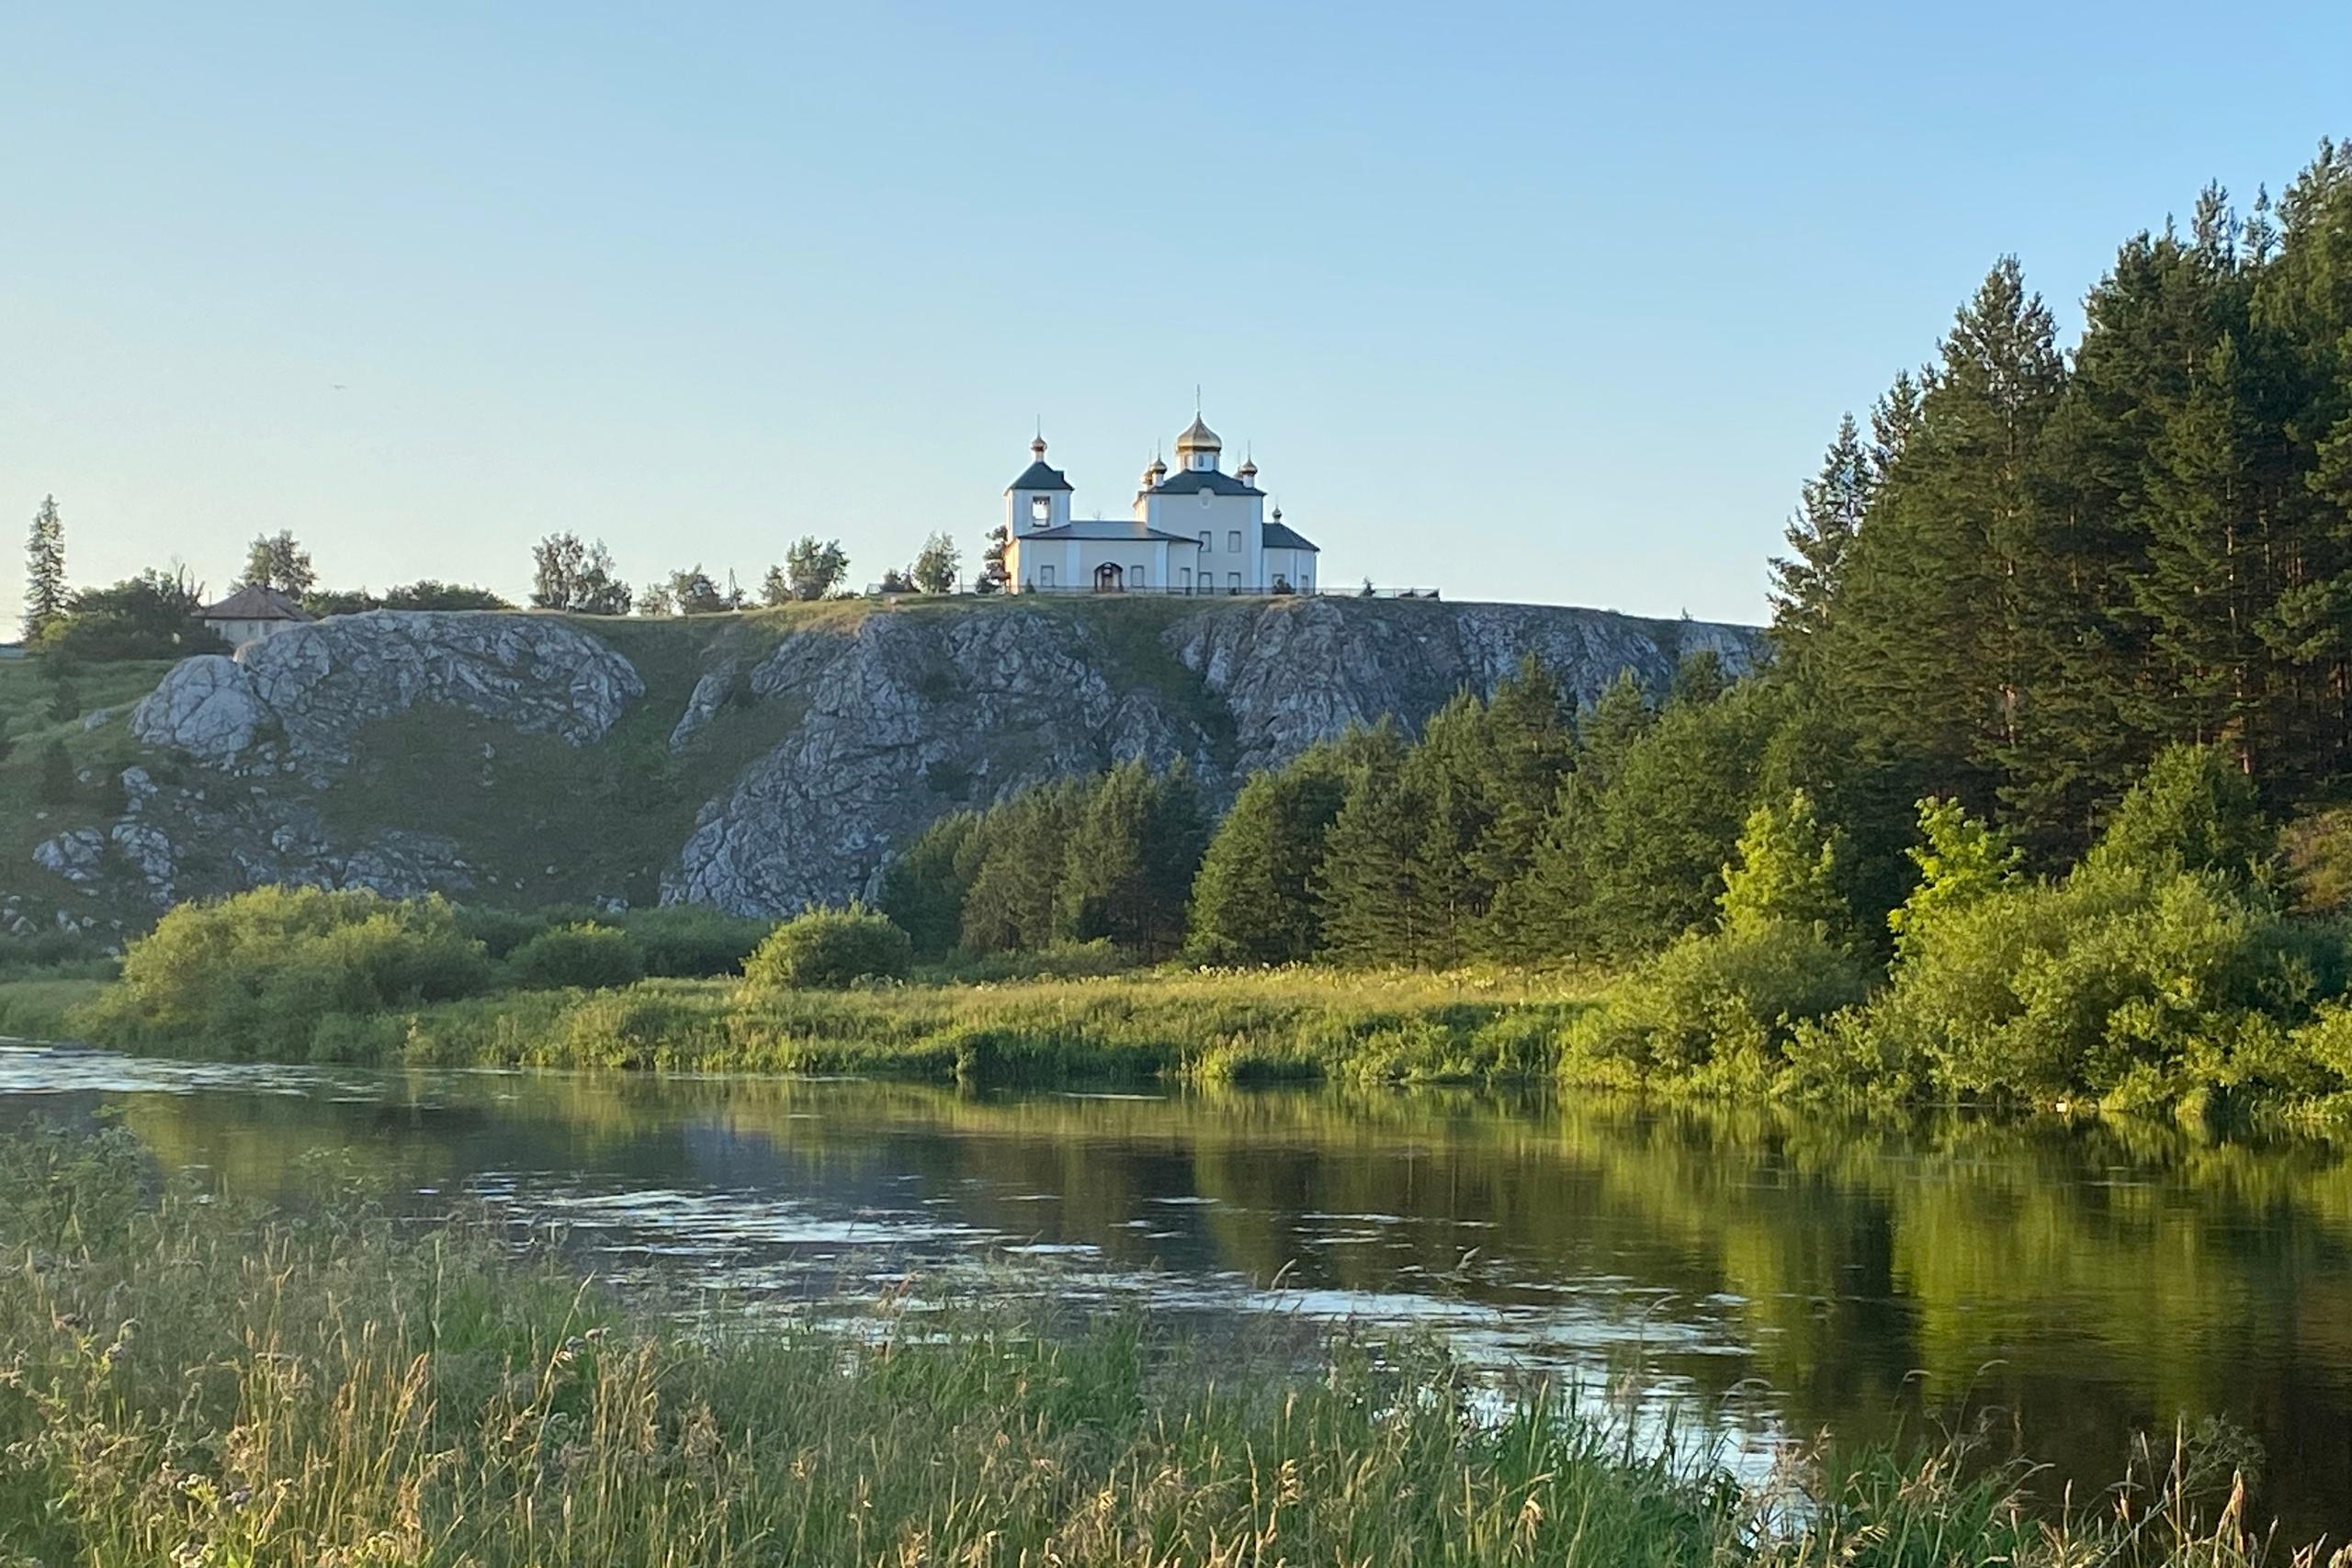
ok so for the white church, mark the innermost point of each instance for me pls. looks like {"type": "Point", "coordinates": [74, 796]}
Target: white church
{"type": "Point", "coordinates": [1197, 530]}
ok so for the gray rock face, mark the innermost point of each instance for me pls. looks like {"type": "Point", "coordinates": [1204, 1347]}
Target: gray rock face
{"type": "Point", "coordinates": [312, 689]}
{"type": "Point", "coordinates": [911, 716]}
{"type": "Point", "coordinates": [906, 717]}
{"type": "Point", "coordinates": [887, 720]}
{"type": "Point", "coordinates": [1295, 672]}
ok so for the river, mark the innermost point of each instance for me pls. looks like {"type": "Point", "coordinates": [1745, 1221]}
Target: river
{"type": "Point", "coordinates": [1755, 1275]}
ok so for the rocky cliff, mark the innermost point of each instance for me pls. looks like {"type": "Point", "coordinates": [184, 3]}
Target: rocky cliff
{"type": "Point", "coordinates": [756, 762]}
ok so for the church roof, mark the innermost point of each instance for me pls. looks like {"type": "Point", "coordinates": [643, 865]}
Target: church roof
{"type": "Point", "coordinates": [1282, 536]}
{"type": "Point", "coordinates": [1103, 529]}
{"type": "Point", "coordinates": [253, 603]}
{"type": "Point", "coordinates": [1192, 481]}
{"type": "Point", "coordinates": [1038, 475]}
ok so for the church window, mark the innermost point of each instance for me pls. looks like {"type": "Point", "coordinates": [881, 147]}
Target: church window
{"type": "Point", "coordinates": [1045, 577]}
{"type": "Point", "coordinates": [1135, 575]}
{"type": "Point", "coordinates": [1233, 541]}
{"type": "Point", "coordinates": [1205, 539]}
{"type": "Point", "coordinates": [1184, 577]}
{"type": "Point", "coordinates": [1041, 510]}
{"type": "Point", "coordinates": [1233, 582]}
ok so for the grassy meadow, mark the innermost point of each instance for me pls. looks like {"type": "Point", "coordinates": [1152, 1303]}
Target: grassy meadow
{"type": "Point", "coordinates": [204, 1383]}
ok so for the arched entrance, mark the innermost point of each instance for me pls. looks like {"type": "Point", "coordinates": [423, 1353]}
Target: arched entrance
{"type": "Point", "coordinates": [1109, 579]}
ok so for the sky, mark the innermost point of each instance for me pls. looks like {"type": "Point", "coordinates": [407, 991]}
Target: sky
{"type": "Point", "coordinates": [1556, 303]}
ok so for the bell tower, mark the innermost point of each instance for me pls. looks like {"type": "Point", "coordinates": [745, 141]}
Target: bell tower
{"type": "Point", "coordinates": [1039, 499]}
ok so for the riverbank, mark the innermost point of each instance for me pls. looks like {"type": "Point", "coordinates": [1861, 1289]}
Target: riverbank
{"type": "Point", "coordinates": [1285, 1025]}
{"type": "Point", "coordinates": [218, 1383]}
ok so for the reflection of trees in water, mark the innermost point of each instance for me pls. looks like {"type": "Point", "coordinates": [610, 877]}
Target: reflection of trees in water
{"type": "Point", "coordinates": [2120, 1271]}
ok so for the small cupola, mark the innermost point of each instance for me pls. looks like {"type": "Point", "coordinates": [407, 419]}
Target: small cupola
{"type": "Point", "coordinates": [1248, 472]}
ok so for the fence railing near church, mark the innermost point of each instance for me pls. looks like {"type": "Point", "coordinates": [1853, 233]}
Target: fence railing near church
{"type": "Point", "coordinates": [1086, 591]}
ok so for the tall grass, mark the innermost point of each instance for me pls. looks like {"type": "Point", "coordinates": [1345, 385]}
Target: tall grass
{"type": "Point", "coordinates": [193, 1385]}
{"type": "Point", "coordinates": [1253, 1026]}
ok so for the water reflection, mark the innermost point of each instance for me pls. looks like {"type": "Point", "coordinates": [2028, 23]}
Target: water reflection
{"type": "Point", "coordinates": [1764, 1270]}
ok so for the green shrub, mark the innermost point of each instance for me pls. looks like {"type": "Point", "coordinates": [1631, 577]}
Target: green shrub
{"type": "Point", "coordinates": [688, 942]}
{"type": "Point", "coordinates": [1717, 1009]}
{"type": "Point", "coordinates": [55, 955]}
{"type": "Point", "coordinates": [501, 932]}
{"type": "Point", "coordinates": [586, 956]}
{"type": "Point", "coordinates": [2145, 984]}
{"type": "Point", "coordinates": [829, 949]}
{"type": "Point", "coordinates": [254, 975]}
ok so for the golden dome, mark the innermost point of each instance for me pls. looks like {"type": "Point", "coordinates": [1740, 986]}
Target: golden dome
{"type": "Point", "coordinates": [1198, 438]}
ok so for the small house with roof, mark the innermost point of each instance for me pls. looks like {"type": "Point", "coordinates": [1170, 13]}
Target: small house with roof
{"type": "Point", "coordinates": [251, 614]}
{"type": "Point", "coordinates": [1196, 530]}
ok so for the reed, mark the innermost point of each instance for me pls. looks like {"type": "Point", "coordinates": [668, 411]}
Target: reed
{"type": "Point", "coordinates": [194, 1383]}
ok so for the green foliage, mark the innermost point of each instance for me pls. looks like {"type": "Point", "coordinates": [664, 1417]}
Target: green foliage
{"type": "Point", "coordinates": [814, 568]}
{"type": "Point", "coordinates": [1253, 901]}
{"type": "Point", "coordinates": [1635, 854]}
{"type": "Point", "coordinates": [1715, 1010]}
{"type": "Point", "coordinates": [1785, 872]}
{"type": "Point", "coordinates": [828, 949]}
{"type": "Point", "coordinates": [923, 889]}
{"type": "Point", "coordinates": [688, 941]}
{"type": "Point", "coordinates": [253, 974]}
{"type": "Point", "coordinates": [2317, 847]}
{"type": "Point", "coordinates": [45, 592]}
{"type": "Point", "coordinates": [1829, 513]}
{"type": "Point", "coordinates": [568, 574]}
{"type": "Point", "coordinates": [2192, 811]}
{"type": "Point", "coordinates": [1367, 892]}
{"type": "Point", "coordinates": [426, 593]}
{"type": "Point", "coordinates": [2139, 982]}
{"type": "Point", "coordinates": [1960, 859]}
{"type": "Point", "coordinates": [147, 616]}
{"type": "Point", "coordinates": [588, 956]}
{"type": "Point", "coordinates": [57, 780]}
{"type": "Point", "coordinates": [690, 592]}
{"type": "Point", "coordinates": [1011, 869]}
{"type": "Point", "coordinates": [279, 561]}
{"type": "Point", "coordinates": [1107, 858]}
{"type": "Point", "coordinates": [937, 567]}
{"type": "Point", "coordinates": [1130, 858]}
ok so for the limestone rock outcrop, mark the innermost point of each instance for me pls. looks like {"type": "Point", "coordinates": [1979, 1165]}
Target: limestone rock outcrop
{"type": "Point", "coordinates": [311, 690]}
{"type": "Point", "coordinates": [781, 762]}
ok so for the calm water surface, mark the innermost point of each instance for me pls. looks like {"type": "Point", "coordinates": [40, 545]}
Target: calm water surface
{"type": "Point", "coordinates": [1759, 1274]}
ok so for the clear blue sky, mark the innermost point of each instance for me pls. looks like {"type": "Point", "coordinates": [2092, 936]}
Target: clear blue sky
{"type": "Point", "coordinates": [1533, 303]}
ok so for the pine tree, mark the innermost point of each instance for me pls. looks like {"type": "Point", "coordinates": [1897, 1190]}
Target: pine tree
{"type": "Point", "coordinates": [1370, 904]}
{"type": "Point", "coordinates": [1531, 746]}
{"type": "Point", "coordinates": [44, 571]}
{"type": "Point", "coordinates": [1929, 652]}
{"type": "Point", "coordinates": [774, 589]}
{"type": "Point", "coordinates": [1130, 859]}
{"type": "Point", "coordinates": [1829, 513]}
{"type": "Point", "coordinates": [1253, 901]}
{"type": "Point", "coordinates": [1018, 852]}
{"type": "Point", "coordinates": [924, 888]}
{"type": "Point", "coordinates": [1547, 911]}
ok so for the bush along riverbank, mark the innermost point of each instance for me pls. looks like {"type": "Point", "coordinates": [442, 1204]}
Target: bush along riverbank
{"type": "Point", "coordinates": [2163, 972]}
{"type": "Point", "coordinates": [203, 1384]}
{"type": "Point", "coordinates": [298, 975]}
